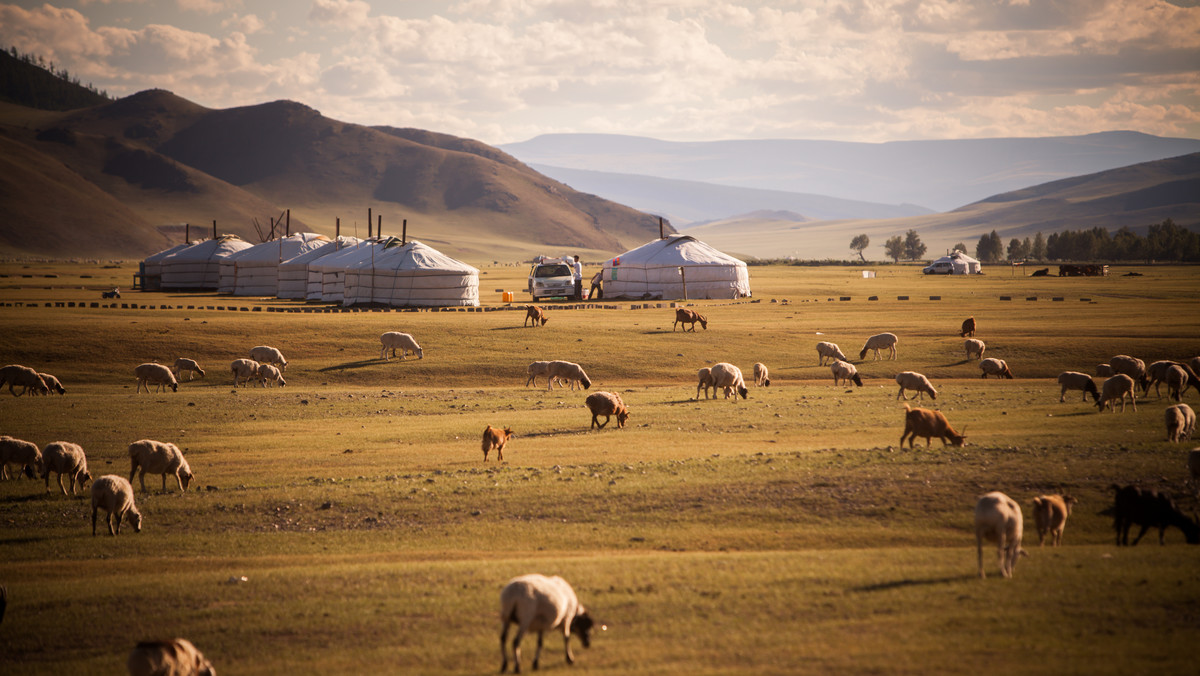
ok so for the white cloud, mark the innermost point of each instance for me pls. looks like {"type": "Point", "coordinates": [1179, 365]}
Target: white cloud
{"type": "Point", "coordinates": [248, 24]}
{"type": "Point", "coordinates": [207, 6]}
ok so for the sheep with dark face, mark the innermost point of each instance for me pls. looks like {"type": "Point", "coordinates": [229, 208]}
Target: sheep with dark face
{"type": "Point", "coordinates": [66, 459]}
{"type": "Point", "coordinates": [157, 457]}
{"type": "Point", "coordinates": [155, 374]}
{"type": "Point", "coordinates": [845, 372]}
{"type": "Point", "coordinates": [114, 495]}
{"type": "Point", "coordinates": [729, 378]}
{"type": "Point", "coordinates": [184, 364]}
{"type": "Point", "coordinates": [995, 367]}
{"type": "Point", "coordinates": [1074, 380]}
{"type": "Point", "coordinates": [394, 340]}
{"type": "Point", "coordinates": [1116, 389]}
{"type": "Point", "coordinates": [830, 351]}
{"type": "Point", "coordinates": [53, 386]}
{"type": "Point", "coordinates": [265, 354]}
{"type": "Point", "coordinates": [26, 454]}
{"type": "Point", "coordinates": [539, 603]}
{"type": "Point", "coordinates": [176, 657]}
{"type": "Point", "coordinates": [23, 376]}
{"type": "Point", "coordinates": [762, 377]}
{"type": "Point", "coordinates": [911, 380]}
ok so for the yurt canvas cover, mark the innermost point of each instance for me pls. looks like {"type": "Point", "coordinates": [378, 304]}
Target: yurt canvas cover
{"type": "Point", "coordinates": [327, 274]}
{"type": "Point", "coordinates": [652, 271]}
{"type": "Point", "coordinates": [255, 271]}
{"type": "Point", "coordinates": [412, 274]}
{"type": "Point", "coordinates": [151, 267]}
{"type": "Point", "coordinates": [293, 273]}
{"type": "Point", "coordinates": [960, 264]}
{"type": "Point", "coordinates": [199, 265]}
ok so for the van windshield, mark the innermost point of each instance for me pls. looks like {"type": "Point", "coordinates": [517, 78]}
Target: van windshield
{"type": "Point", "coordinates": [552, 271]}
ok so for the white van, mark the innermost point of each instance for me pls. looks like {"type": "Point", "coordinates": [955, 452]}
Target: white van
{"type": "Point", "coordinates": [551, 279]}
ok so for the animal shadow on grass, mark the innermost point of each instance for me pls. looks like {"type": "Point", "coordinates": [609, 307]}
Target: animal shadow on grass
{"type": "Point", "coordinates": [509, 328]}
{"type": "Point", "coordinates": [898, 584]}
{"type": "Point", "coordinates": [552, 433]}
{"type": "Point", "coordinates": [362, 363]}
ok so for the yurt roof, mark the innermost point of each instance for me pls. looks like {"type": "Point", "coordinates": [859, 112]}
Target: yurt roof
{"type": "Point", "coordinates": [290, 246]}
{"type": "Point", "coordinates": [340, 260]}
{"type": "Point", "coordinates": [324, 249]}
{"type": "Point", "coordinates": [414, 256]}
{"type": "Point", "coordinates": [165, 252]}
{"type": "Point", "coordinates": [676, 250]}
{"type": "Point", "coordinates": [221, 247]}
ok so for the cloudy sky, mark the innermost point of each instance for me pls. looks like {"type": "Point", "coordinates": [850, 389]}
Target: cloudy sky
{"type": "Point", "coordinates": [684, 70]}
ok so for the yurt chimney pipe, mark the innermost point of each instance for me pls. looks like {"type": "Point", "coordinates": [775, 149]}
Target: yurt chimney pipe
{"type": "Point", "coordinates": [288, 231]}
{"type": "Point", "coordinates": [379, 227]}
{"type": "Point", "coordinates": [187, 230]}
{"type": "Point", "coordinates": [660, 228]}
{"type": "Point", "coordinates": [369, 219]}
{"type": "Point", "coordinates": [214, 228]}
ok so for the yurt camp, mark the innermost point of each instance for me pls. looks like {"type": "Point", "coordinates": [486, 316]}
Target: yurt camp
{"type": "Point", "coordinates": [255, 271]}
{"type": "Point", "coordinates": [410, 274]}
{"type": "Point", "coordinates": [957, 263]}
{"type": "Point", "coordinates": [327, 274]}
{"type": "Point", "coordinates": [199, 266]}
{"type": "Point", "coordinates": [293, 272]}
{"type": "Point", "coordinates": [149, 277]}
{"type": "Point", "coordinates": [675, 267]}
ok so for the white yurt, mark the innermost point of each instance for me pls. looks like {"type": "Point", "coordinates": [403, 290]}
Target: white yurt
{"type": "Point", "coordinates": [150, 269]}
{"type": "Point", "coordinates": [653, 271]}
{"type": "Point", "coordinates": [327, 274]}
{"type": "Point", "coordinates": [199, 266]}
{"type": "Point", "coordinates": [411, 275]}
{"type": "Point", "coordinates": [255, 271]}
{"type": "Point", "coordinates": [956, 263]}
{"type": "Point", "coordinates": [293, 272]}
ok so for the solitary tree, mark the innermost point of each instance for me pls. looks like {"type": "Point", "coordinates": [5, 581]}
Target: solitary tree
{"type": "Point", "coordinates": [914, 248]}
{"type": "Point", "coordinates": [1038, 252]}
{"type": "Point", "coordinates": [859, 243]}
{"type": "Point", "coordinates": [894, 248]}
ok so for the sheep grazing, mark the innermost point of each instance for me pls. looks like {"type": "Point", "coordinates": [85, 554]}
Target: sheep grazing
{"type": "Point", "coordinates": [393, 340]}
{"type": "Point", "coordinates": [844, 373]}
{"type": "Point", "coordinates": [1104, 371]}
{"type": "Point", "coordinates": [244, 371]}
{"type": "Point", "coordinates": [26, 454]}
{"type": "Point", "coordinates": [686, 316]}
{"type": "Point", "coordinates": [567, 371]}
{"type": "Point", "coordinates": [1178, 380]}
{"type": "Point", "coordinates": [114, 495]}
{"type": "Point", "coordinates": [52, 384]}
{"type": "Point", "coordinates": [155, 374]}
{"type": "Point", "coordinates": [879, 342]}
{"type": "Point", "coordinates": [1074, 380]}
{"type": "Point", "coordinates": [1181, 422]}
{"type": "Point", "coordinates": [176, 657]}
{"type": "Point", "coordinates": [1116, 389]}
{"type": "Point", "coordinates": [1194, 364]}
{"type": "Point", "coordinates": [911, 380]}
{"type": "Point", "coordinates": [538, 368]}
{"type": "Point", "coordinates": [270, 374]}
{"type": "Point", "coordinates": [537, 314]}
{"type": "Point", "coordinates": [968, 328]}
{"type": "Point", "coordinates": [1148, 508]}
{"type": "Point", "coordinates": [25, 377]}
{"type": "Point", "coordinates": [157, 457]}
{"type": "Point", "coordinates": [539, 603]}
{"type": "Point", "coordinates": [995, 367]}
{"type": "Point", "coordinates": [606, 404]}
{"type": "Point", "coordinates": [828, 351]}
{"type": "Point", "coordinates": [998, 519]}
{"type": "Point", "coordinates": [975, 348]}
{"type": "Point", "coordinates": [265, 354]}
{"type": "Point", "coordinates": [762, 377]}
{"type": "Point", "coordinates": [66, 459]}
{"type": "Point", "coordinates": [729, 378]}
{"type": "Point", "coordinates": [1050, 513]}
{"type": "Point", "coordinates": [1131, 366]}
{"type": "Point", "coordinates": [706, 381]}
{"type": "Point", "coordinates": [494, 437]}
{"type": "Point", "coordinates": [184, 364]}
{"type": "Point", "coordinates": [923, 422]}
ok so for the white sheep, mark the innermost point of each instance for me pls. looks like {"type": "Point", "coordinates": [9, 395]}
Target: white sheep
{"type": "Point", "coordinates": [762, 377]}
{"type": "Point", "coordinates": [729, 378]}
{"type": "Point", "coordinates": [1131, 366]}
{"type": "Point", "coordinates": [65, 459]}
{"type": "Point", "coordinates": [998, 519]}
{"type": "Point", "coordinates": [244, 370]}
{"type": "Point", "coordinates": [994, 367]}
{"type": "Point", "coordinates": [540, 603]}
{"type": "Point", "coordinates": [1116, 389]}
{"type": "Point", "coordinates": [265, 354]}
{"type": "Point", "coordinates": [830, 351]}
{"type": "Point", "coordinates": [878, 342]}
{"type": "Point", "coordinates": [114, 495]}
{"type": "Point", "coordinates": [1177, 381]}
{"type": "Point", "coordinates": [566, 371]}
{"type": "Point", "coordinates": [705, 381]}
{"type": "Point", "coordinates": [157, 457]}
{"type": "Point", "coordinates": [269, 374]}
{"type": "Point", "coordinates": [538, 368]}
{"type": "Point", "coordinates": [911, 380]}
{"type": "Point", "coordinates": [1181, 422]}
{"type": "Point", "coordinates": [975, 348]}
{"type": "Point", "coordinates": [1074, 380]}
{"type": "Point", "coordinates": [1050, 514]}
{"type": "Point", "coordinates": [26, 454]}
{"type": "Point", "coordinates": [394, 340]}
{"type": "Point", "coordinates": [52, 384]}
{"type": "Point", "coordinates": [176, 657]}
{"type": "Point", "coordinates": [184, 364]}
{"type": "Point", "coordinates": [844, 373]}
{"type": "Point", "coordinates": [27, 378]}
{"type": "Point", "coordinates": [1104, 371]}
{"type": "Point", "coordinates": [155, 374]}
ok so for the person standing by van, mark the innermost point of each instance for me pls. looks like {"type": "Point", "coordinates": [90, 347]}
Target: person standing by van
{"type": "Point", "coordinates": [578, 274]}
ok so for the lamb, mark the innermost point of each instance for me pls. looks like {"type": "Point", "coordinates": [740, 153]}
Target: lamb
{"type": "Point", "coordinates": [265, 354]}
{"type": "Point", "coordinates": [244, 370]}
{"type": "Point", "coordinates": [1149, 509]}
{"type": "Point", "coordinates": [879, 342]}
{"type": "Point", "coordinates": [1104, 371]}
{"type": "Point", "coordinates": [535, 313]}
{"type": "Point", "coordinates": [1131, 366]}
{"type": "Point", "coordinates": [1115, 389]}
{"type": "Point", "coordinates": [995, 367]}
{"type": "Point", "coordinates": [114, 495]}
{"type": "Point", "coordinates": [184, 364]}
{"type": "Point", "coordinates": [157, 457]}
{"type": "Point", "coordinates": [1050, 513]}
{"type": "Point", "coordinates": [968, 327]}
{"type": "Point", "coordinates": [706, 381]}
{"type": "Point", "coordinates": [729, 378]}
{"type": "Point", "coordinates": [568, 371]}
{"type": "Point", "coordinates": [269, 374]}
{"type": "Point", "coordinates": [998, 519]}
{"type": "Point", "coordinates": [1074, 380]}
{"type": "Point", "coordinates": [51, 383]}
{"type": "Point", "coordinates": [496, 438]}
{"type": "Point", "coordinates": [67, 459]}
{"type": "Point", "coordinates": [405, 342]}
{"type": "Point", "coordinates": [27, 378]}
{"type": "Point", "coordinates": [974, 347]}
{"type": "Point", "coordinates": [539, 603]}
{"type": "Point", "coordinates": [923, 422]}
{"type": "Point", "coordinates": [828, 351]}
{"type": "Point", "coordinates": [1181, 422]}
{"type": "Point", "coordinates": [761, 375]}
{"type": "Point", "coordinates": [606, 404]}
{"type": "Point", "coordinates": [686, 316]}
{"type": "Point", "coordinates": [844, 372]}
{"type": "Point", "coordinates": [155, 374]}
{"type": "Point", "coordinates": [911, 380]}
{"type": "Point", "coordinates": [176, 657]}
{"type": "Point", "coordinates": [20, 452]}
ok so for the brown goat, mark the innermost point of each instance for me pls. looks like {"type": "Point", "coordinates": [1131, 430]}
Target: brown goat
{"type": "Point", "coordinates": [686, 316]}
{"type": "Point", "coordinates": [1050, 513]}
{"type": "Point", "coordinates": [535, 313]}
{"type": "Point", "coordinates": [495, 438]}
{"type": "Point", "coordinates": [922, 422]}
{"type": "Point", "coordinates": [968, 328]}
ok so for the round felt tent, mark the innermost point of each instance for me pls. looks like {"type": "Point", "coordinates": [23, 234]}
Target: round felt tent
{"type": "Point", "coordinates": [199, 265]}
{"type": "Point", "coordinates": [255, 271]}
{"type": "Point", "coordinates": [327, 274]}
{"type": "Point", "coordinates": [293, 273]}
{"type": "Point", "coordinates": [679, 266]}
{"type": "Point", "coordinates": [411, 275]}
{"type": "Point", "coordinates": [150, 268]}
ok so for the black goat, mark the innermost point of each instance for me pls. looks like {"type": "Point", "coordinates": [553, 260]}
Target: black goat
{"type": "Point", "coordinates": [1148, 508]}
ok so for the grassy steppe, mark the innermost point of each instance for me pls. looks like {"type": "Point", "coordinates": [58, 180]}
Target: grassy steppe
{"type": "Point", "coordinates": [787, 533]}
